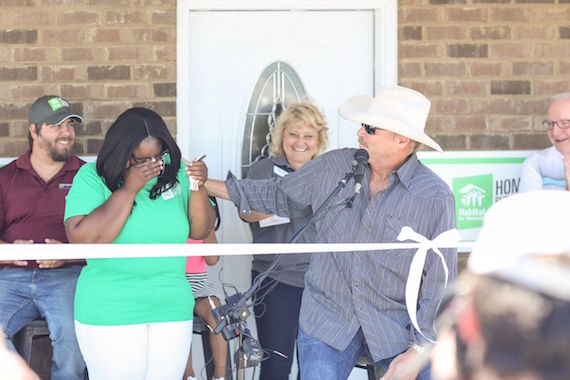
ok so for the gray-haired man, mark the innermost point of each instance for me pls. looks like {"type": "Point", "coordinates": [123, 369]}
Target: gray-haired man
{"type": "Point", "coordinates": [550, 168]}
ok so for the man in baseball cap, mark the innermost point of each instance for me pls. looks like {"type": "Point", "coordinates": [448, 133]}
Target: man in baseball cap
{"type": "Point", "coordinates": [51, 110]}
{"type": "Point", "coordinates": [32, 201]}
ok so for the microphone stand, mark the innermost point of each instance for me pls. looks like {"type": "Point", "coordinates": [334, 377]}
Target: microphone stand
{"type": "Point", "coordinates": [230, 318]}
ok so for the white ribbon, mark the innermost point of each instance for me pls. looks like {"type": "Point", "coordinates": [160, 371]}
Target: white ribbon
{"type": "Point", "coordinates": [100, 251]}
{"type": "Point", "coordinates": [445, 239]}
{"type": "Point", "coordinates": [448, 239]}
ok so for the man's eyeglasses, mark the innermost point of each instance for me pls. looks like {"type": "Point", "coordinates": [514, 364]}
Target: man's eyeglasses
{"type": "Point", "coordinates": [369, 129]}
{"type": "Point", "coordinates": [164, 156]}
{"type": "Point", "coordinates": [562, 124]}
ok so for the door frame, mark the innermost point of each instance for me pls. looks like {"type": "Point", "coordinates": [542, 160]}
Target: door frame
{"type": "Point", "coordinates": [385, 41]}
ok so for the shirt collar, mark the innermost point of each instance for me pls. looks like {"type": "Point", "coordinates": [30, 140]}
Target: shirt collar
{"type": "Point", "coordinates": [406, 172]}
{"type": "Point", "coordinates": [557, 152]}
{"type": "Point", "coordinates": [23, 162]}
{"type": "Point", "coordinates": [72, 164]}
{"type": "Point", "coordinates": [282, 162]}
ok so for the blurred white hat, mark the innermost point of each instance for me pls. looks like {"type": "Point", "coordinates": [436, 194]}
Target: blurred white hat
{"type": "Point", "coordinates": [518, 234]}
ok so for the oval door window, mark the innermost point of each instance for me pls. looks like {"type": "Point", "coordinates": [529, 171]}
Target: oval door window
{"type": "Point", "coordinates": [277, 86]}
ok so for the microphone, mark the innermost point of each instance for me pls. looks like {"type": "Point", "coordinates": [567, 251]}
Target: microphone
{"type": "Point", "coordinates": [360, 163]}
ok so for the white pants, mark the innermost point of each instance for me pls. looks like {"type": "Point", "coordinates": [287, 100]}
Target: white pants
{"type": "Point", "coordinates": [150, 351]}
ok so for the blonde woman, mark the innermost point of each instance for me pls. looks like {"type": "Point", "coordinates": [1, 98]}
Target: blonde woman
{"type": "Point", "coordinates": [300, 134]}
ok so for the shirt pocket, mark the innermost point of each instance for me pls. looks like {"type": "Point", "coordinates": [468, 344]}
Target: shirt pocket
{"type": "Point", "coordinates": [393, 227]}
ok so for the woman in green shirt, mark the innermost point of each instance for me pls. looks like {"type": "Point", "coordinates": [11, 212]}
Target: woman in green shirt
{"type": "Point", "coordinates": [133, 317]}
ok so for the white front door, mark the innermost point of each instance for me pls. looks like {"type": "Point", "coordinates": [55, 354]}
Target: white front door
{"type": "Point", "coordinates": [337, 50]}
{"type": "Point", "coordinates": [332, 52]}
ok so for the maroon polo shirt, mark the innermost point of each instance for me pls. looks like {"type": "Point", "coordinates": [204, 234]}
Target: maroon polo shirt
{"type": "Point", "coordinates": [31, 208]}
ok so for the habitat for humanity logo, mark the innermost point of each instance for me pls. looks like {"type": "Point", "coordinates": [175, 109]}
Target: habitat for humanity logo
{"type": "Point", "coordinates": [473, 197]}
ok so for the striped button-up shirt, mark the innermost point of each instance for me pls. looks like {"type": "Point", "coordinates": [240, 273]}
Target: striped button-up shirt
{"type": "Point", "coordinates": [346, 291]}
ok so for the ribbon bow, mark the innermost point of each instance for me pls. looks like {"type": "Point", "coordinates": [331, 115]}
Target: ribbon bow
{"type": "Point", "coordinates": [447, 238]}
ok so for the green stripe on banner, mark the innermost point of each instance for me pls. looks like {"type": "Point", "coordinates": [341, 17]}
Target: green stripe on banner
{"type": "Point", "coordinates": [473, 161]}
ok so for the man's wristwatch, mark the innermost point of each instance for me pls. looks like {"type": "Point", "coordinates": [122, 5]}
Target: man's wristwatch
{"type": "Point", "coordinates": [419, 349]}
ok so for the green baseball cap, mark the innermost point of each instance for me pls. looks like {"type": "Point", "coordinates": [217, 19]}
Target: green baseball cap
{"type": "Point", "coordinates": [51, 109]}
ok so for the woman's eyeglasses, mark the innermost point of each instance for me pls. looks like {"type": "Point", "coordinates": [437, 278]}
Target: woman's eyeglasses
{"type": "Point", "coordinates": [369, 129]}
{"type": "Point", "coordinates": [163, 156]}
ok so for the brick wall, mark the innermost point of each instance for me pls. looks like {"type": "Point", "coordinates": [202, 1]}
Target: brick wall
{"type": "Point", "coordinates": [103, 55]}
{"type": "Point", "coordinates": [489, 66]}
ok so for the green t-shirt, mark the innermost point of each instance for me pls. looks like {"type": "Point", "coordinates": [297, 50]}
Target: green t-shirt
{"type": "Point", "coordinates": [138, 290]}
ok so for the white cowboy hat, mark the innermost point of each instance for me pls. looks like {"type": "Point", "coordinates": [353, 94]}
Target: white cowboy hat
{"type": "Point", "coordinates": [520, 237]}
{"type": "Point", "coordinates": [397, 109]}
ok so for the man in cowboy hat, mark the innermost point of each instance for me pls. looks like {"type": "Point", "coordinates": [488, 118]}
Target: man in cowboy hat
{"type": "Point", "coordinates": [511, 317]}
{"type": "Point", "coordinates": [354, 303]}
{"type": "Point", "coordinates": [32, 200]}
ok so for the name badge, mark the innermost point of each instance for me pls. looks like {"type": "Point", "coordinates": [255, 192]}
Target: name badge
{"type": "Point", "coordinates": [168, 194]}
{"type": "Point", "coordinates": [171, 193]}
{"type": "Point", "coordinates": [64, 186]}
{"type": "Point", "coordinates": [278, 171]}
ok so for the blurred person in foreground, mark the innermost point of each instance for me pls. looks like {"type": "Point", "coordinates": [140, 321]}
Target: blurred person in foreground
{"type": "Point", "coordinates": [355, 303]}
{"type": "Point", "coordinates": [12, 366]}
{"type": "Point", "coordinates": [133, 316]}
{"type": "Point", "coordinates": [549, 168]}
{"type": "Point", "coordinates": [511, 316]}
{"type": "Point", "coordinates": [32, 201]}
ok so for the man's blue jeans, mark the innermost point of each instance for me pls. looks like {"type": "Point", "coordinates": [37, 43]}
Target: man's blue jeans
{"type": "Point", "coordinates": [28, 294]}
{"type": "Point", "coordinates": [318, 360]}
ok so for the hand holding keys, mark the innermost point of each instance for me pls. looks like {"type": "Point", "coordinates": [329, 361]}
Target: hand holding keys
{"type": "Point", "coordinates": [194, 182]}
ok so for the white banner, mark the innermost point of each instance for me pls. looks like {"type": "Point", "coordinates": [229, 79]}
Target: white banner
{"type": "Point", "coordinates": [478, 180]}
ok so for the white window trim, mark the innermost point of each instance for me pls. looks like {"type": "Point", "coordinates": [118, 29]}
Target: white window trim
{"type": "Point", "coordinates": [385, 41]}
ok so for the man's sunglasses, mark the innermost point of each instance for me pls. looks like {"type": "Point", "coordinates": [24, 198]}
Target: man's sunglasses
{"type": "Point", "coordinates": [369, 129]}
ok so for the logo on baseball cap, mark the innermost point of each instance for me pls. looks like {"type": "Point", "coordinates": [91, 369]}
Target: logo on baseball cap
{"type": "Point", "coordinates": [51, 109]}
